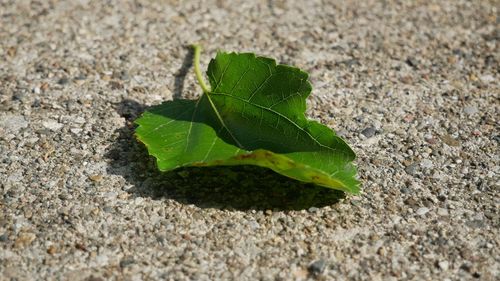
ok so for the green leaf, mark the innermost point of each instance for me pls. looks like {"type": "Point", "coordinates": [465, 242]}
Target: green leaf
{"type": "Point", "coordinates": [253, 115]}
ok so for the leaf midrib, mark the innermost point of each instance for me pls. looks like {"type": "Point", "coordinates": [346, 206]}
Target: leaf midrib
{"type": "Point", "coordinates": [221, 120]}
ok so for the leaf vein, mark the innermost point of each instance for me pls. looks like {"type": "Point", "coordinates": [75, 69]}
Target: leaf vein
{"type": "Point", "coordinates": [277, 113]}
{"type": "Point", "coordinates": [222, 75]}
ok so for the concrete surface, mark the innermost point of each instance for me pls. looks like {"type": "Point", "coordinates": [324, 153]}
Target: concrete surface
{"type": "Point", "coordinates": [412, 85]}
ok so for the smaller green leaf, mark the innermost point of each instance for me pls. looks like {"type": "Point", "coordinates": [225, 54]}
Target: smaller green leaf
{"type": "Point", "coordinates": [253, 115]}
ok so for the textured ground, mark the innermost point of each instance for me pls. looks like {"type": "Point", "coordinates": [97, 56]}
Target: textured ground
{"type": "Point", "coordinates": [412, 85]}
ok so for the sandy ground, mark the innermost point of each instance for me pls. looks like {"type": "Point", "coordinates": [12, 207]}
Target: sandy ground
{"type": "Point", "coordinates": [413, 86]}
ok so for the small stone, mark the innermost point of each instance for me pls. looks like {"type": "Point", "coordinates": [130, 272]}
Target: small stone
{"type": "Point", "coordinates": [76, 131]}
{"type": "Point", "coordinates": [79, 120]}
{"type": "Point", "coordinates": [51, 250]}
{"type": "Point", "coordinates": [18, 96]}
{"type": "Point", "coordinates": [487, 78]}
{"type": "Point", "coordinates": [407, 79]}
{"type": "Point", "coordinates": [427, 164]}
{"type": "Point", "coordinates": [63, 81]}
{"type": "Point", "coordinates": [102, 260]}
{"type": "Point", "coordinates": [342, 133]}
{"type": "Point", "coordinates": [44, 86]}
{"type": "Point", "coordinates": [441, 197]}
{"type": "Point", "coordinates": [12, 51]}
{"type": "Point", "coordinates": [442, 212]}
{"type": "Point", "coordinates": [381, 251]}
{"type": "Point", "coordinates": [412, 169]}
{"type": "Point", "coordinates": [300, 274]}
{"type": "Point", "coordinates": [475, 223]}
{"type": "Point", "coordinates": [14, 123]}
{"type": "Point", "coordinates": [124, 75]}
{"type": "Point", "coordinates": [115, 85]}
{"type": "Point", "coordinates": [449, 140]}
{"type": "Point", "coordinates": [369, 132]}
{"type": "Point", "coordinates": [466, 266]}
{"type": "Point", "coordinates": [411, 202]}
{"type": "Point", "coordinates": [443, 265]}
{"type": "Point", "coordinates": [4, 237]}
{"type": "Point", "coordinates": [80, 247]}
{"type": "Point", "coordinates": [94, 278]}
{"type": "Point", "coordinates": [470, 110]}
{"type": "Point", "coordinates": [24, 239]}
{"type": "Point", "coordinates": [317, 267]}
{"type": "Point", "coordinates": [126, 262]}
{"type": "Point", "coordinates": [95, 178]}
{"type": "Point", "coordinates": [52, 125]}
{"type": "Point", "coordinates": [405, 190]}
{"type": "Point", "coordinates": [412, 62]}
{"type": "Point", "coordinates": [36, 103]}
{"type": "Point", "coordinates": [422, 211]}
{"type": "Point", "coordinates": [81, 77]}
{"type": "Point", "coordinates": [312, 209]}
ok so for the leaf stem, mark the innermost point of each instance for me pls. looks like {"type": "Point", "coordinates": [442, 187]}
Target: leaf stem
{"type": "Point", "coordinates": [197, 51]}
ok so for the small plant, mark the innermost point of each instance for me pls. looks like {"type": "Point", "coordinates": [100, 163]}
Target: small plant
{"type": "Point", "coordinates": [252, 114]}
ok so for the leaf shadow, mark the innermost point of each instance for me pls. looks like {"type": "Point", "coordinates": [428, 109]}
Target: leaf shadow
{"type": "Point", "coordinates": [229, 188]}
{"type": "Point", "coordinates": [180, 76]}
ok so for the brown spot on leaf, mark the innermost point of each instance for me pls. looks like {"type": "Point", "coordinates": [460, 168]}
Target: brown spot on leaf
{"type": "Point", "coordinates": [246, 156]}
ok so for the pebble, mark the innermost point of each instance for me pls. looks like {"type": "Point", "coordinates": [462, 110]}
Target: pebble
{"type": "Point", "coordinates": [63, 81]}
{"type": "Point", "coordinates": [426, 164]}
{"type": "Point", "coordinates": [317, 267]}
{"type": "Point", "coordinates": [449, 140]}
{"type": "Point", "coordinates": [412, 169]}
{"type": "Point", "coordinates": [51, 250]}
{"type": "Point", "coordinates": [24, 239]}
{"type": "Point", "coordinates": [102, 260]}
{"type": "Point", "coordinates": [411, 202]}
{"type": "Point", "coordinates": [253, 224]}
{"type": "Point", "coordinates": [477, 223]}
{"type": "Point", "coordinates": [422, 211]}
{"type": "Point", "coordinates": [4, 237]}
{"type": "Point", "coordinates": [487, 78]}
{"type": "Point", "coordinates": [442, 212]}
{"type": "Point", "coordinates": [14, 123]}
{"type": "Point", "coordinates": [369, 132]}
{"type": "Point", "coordinates": [79, 120]}
{"type": "Point", "coordinates": [470, 110]}
{"type": "Point", "coordinates": [126, 262]}
{"type": "Point", "coordinates": [19, 96]}
{"type": "Point", "coordinates": [52, 125]}
{"type": "Point", "coordinates": [443, 265]}
{"type": "Point", "coordinates": [412, 62]}
{"type": "Point", "coordinates": [76, 131]}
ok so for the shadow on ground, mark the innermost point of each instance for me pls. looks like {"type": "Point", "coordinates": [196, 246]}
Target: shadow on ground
{"type": "Point", "coordinates": [239, 187]}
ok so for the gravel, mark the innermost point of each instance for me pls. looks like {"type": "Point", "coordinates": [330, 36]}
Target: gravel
{"type": "Point", "coordinates": [369, 132]}
{"type": "Point", "coordinates": [81, 200]}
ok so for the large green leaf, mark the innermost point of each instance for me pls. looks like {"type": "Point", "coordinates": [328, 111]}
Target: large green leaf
{"type": "Point", "coordinates": [253, 114]}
